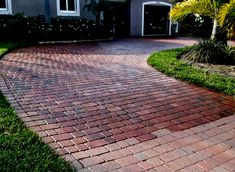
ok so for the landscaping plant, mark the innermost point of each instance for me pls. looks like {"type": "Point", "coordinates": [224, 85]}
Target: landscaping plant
{"type": "Point", "coordinates": [211, 8]}
{"type": "Point", "coordinates": [23, 29]}
{"type": "Point", "coordinates": [210, 51]}
{"type": "Point", "coordinates": [226, 17]}
{"type": "Point", "coordinates": [222, 13]}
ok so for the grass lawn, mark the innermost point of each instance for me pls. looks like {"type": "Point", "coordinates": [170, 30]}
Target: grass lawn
{"type": "Point", "coordinates": [167, 62]}
{"type": "Point", "coordinates": [20, 148]}
{"type": "Point", "coordinates": [5, 46]}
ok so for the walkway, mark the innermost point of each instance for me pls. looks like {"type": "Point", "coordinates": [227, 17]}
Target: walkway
{"type": "Point", "coordinates": [103, 108]}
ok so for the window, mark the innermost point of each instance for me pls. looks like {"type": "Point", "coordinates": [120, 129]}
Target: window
{"type": "Point", "coordinates": [68, 8]}
{"type": "Point", "coordinates": [5, 7]}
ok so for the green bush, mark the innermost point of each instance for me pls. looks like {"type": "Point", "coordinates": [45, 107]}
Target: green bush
{"type": "Point", "coordinates": [20, 28]}
{"type": "Point", "coordinates": [63, 29]}
{"type": "Point", "coordinates": [210, 52]}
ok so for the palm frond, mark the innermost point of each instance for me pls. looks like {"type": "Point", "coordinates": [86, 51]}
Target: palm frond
{"type": "Point", "coordinates": [227, 13]}
{"type": "Point", "coordinates": [201, 7]}
{"type": "Point", "coordinates": [226, 17]}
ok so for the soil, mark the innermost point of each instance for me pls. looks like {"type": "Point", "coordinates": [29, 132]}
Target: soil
{"type": "Point", "coordinates": [224, 70]}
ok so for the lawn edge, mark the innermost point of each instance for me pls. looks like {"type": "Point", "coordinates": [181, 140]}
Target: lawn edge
{"type": "Point", "coordinates": [188, 80]}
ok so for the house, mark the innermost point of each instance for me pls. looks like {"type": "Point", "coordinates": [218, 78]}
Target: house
{"type": "Point", "coordinates": [132, 17]}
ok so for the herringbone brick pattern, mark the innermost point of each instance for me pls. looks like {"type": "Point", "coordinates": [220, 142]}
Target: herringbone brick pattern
{"type": "Point", "coordinates": [103, 108]}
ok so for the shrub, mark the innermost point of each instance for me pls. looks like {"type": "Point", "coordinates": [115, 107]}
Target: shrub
{"type": "Point", "coordinates": [20, 28]}
{"type": "Point", "coordinates": [210, 52]}
{"type": "Point", "coordinates": [72, 29]}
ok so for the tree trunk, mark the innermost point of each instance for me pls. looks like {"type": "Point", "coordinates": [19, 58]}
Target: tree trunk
{"type": "Point", "coordinates": [214, 30]}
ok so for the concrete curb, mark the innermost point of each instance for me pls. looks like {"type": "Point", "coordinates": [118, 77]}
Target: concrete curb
{"type": "Point", "coordinates": [74, 41]}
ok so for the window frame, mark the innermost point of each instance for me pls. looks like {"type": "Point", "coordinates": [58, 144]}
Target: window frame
{"type": "Point", "coordinates": [8, 9]}
{"type": "Point", "coordinates": [69, 13]}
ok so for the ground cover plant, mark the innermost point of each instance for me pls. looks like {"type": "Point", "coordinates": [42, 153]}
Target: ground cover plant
{"type": "Point", "coordinates": [167, 62]}
{"type": "Point", "coordinates": [20, 148]}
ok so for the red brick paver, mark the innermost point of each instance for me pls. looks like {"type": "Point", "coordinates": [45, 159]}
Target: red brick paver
{"type": "Point", "coordinates": [103, 108]}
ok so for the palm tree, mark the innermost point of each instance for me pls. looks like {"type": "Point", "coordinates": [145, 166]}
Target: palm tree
{"type": "Point", "coordinates": [210, 8]}
{"type": "Point", "coordinates": [227, 17]}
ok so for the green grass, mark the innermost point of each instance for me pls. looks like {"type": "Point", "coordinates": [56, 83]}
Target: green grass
{"type": "Point", "coordinates": [167, 62]}
{"type": "Point", "coordinates": [4, 47]}
{"type": "Point", "coordinates": [20, 148]}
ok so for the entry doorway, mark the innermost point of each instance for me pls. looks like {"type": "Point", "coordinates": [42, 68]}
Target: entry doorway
{"type": "Point", "coordinates": [122, 19]}
{"type": "Point", "coordinates": [155, 19]}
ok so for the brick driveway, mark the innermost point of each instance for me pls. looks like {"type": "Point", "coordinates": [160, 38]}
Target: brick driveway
{"type": "Point", "coordinates": [103, 108]}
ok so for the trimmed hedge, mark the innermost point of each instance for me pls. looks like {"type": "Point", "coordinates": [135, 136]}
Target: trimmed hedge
{"type": "Point", "coordinates": [21, 28]}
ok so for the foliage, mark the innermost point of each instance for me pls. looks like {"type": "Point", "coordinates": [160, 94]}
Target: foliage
{"type": "Point", "coordinates": [197, 26]}
{"type": "Point", "coordinates": [20, 28]}
{"type": "Point", "coordinates": [211, 52]}
{"type": "Point", "coordinates": [227, 17]}
{"type": "Point", "coordinates": [210, 8]}
{"type": "Point", "coordinates": [166, 62]}
{"type": "Point", "coordinates": [65, 29]}
{"type": "Point", "coordinates": [202, 7]}
{"type": "Point", "coordinates": [5, 46]}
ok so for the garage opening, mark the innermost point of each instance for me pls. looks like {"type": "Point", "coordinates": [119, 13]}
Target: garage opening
{"type": "Point", "coordinates": [155, 19]}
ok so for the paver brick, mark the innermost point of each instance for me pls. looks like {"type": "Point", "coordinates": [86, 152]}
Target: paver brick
{"type": "Point", "coordinates": [145, 165]}
{"type": "Point", "coordinates": [162, 169]}
{"type": "Point", "coordinates": [50, 126]}
{"type": "Point", "coordinates": [71, 149]}
{"type": "Point", "coordinates": [79, 140]}
{"type": "Point", "coordinates": [111, 165]}
{"type": "Point", "coordinates": [125, 161]}
{"type": "Point", "coordinates": [113, 147]}
{"type": "Point", "coordinates": [230, 165]}
{"type": "Point", "coordinates": [91, 161]}
{"type": "Point", "coordinates": [66, 143]}
{"type": "Point", "coordinates": [132, 141]}
{"type": "Point", "coordinates": [193, 168]}
{"type": "Point", "coordinates": [172, 166]}
{"type": "Point", "coordinates": [135, 148]}
{"type": "Point", "coordinates": [96, 143]}
{"type": "Point", "coordinates": [150, 153]}
{"type": "Point", "coordinates": [98, 167]}
{"type": "Point", "coordinates": [80, 155]}
{"type": "Point", "coordinates": [126, 151]}
{"type": "Point", "coordinates": [61, 137]}
{"type": "Point", "coordinates": [97, 151]}
{"type": "Point", "coordinates": [133, 168]}
{"type": "Point", "coordinates": [155, 161]}
{"type": "Point", "coordinates": [112, 155]}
